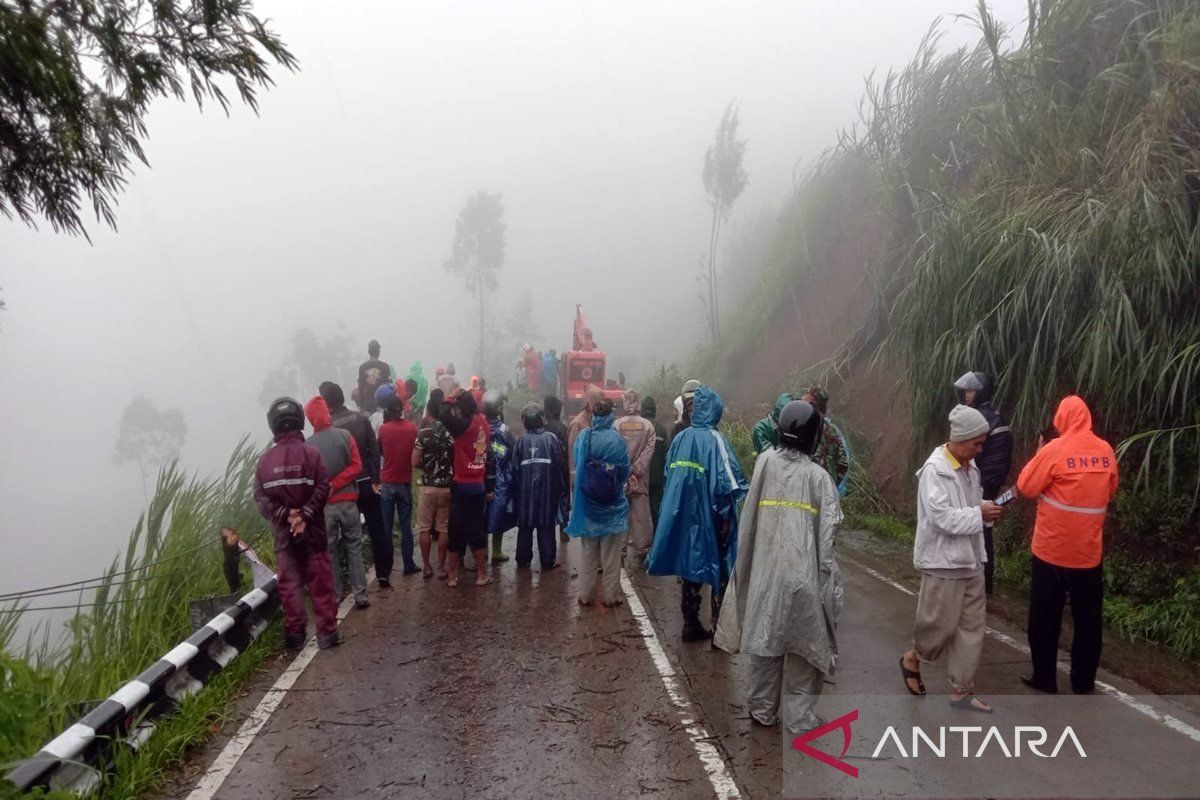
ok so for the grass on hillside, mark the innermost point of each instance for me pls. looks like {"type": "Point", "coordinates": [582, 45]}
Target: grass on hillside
{"type": "Point", "coordinates": [173, 555]}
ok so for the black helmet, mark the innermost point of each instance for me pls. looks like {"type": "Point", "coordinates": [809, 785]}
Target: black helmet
{"type": "Point", "coordinates": [532, 418]}
{"type": "Point", "coordinates": [980, 382]}
{"type": "Point", "coordinates": [800, 426]}
{"type": "Point", "coordinates": [285, 414]}
{"type": "Point", "coordinates": [493, 403]}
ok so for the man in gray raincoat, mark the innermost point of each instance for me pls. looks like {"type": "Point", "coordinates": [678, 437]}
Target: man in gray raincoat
{"type": "Point", "coordinates": [783, 602]}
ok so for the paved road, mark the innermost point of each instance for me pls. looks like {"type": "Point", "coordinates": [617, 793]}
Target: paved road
{"type": "Point", "coordinates": [514, 691]}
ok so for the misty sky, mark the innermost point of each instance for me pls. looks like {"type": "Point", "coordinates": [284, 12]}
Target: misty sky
{"type": "Point", "coordinates": [338, 204]}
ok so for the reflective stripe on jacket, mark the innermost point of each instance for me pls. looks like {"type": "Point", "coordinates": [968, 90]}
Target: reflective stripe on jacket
{"type": "Point", "coordinates": [1073, 477]}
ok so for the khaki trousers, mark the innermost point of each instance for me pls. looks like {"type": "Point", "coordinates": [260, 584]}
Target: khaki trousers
{"type": "Point", "coordinates": [641, 526]}
{"type": "Point", "coordinates": [601, 552]}
{"type": "Point", "coordinates": [951, 619]}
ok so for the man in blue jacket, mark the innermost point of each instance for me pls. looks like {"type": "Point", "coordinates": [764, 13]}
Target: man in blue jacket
{"type": "Point", "coordinates": [696, 536]}
{"type": "Point", "coordinates": [600, 511]}
{"type": "Point", "coordinates": [975, 389]}
{"type": "Point", "coordinates": [499, 473]}
{"type": "Point", "coordinates": [537, 488]}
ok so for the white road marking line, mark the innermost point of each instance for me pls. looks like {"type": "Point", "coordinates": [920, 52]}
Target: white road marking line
{"type": "Point", "coordinates": [1174, 723]}
{"type": "Point", "coordinates": [714, 765]}
{"type": "Point", "coordinates": [236, 747]}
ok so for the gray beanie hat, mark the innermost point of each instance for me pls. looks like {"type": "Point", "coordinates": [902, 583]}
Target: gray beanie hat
{"type": "Point", "coordinates": [967, 423]}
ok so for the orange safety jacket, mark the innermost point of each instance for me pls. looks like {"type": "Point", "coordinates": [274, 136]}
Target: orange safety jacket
{"type": "Point", "coordinates": [1073, 477]}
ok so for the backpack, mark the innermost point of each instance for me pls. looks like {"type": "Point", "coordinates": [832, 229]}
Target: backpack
{"type": "Point", "coordinates": [601, 481]}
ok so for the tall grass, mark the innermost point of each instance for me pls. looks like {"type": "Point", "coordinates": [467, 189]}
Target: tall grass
{"type": "Point", "coordinates": [1067, 262]}
{"type": "Point", "coordinates": [1036, 204]}
{"type": "Point", "coordinates": [131, 619]}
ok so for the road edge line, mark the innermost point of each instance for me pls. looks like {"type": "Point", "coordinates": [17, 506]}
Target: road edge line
{"type": "Point", "coordinates": [715, 767]}
{"type": "Point", "coordinates": [1168, 721]}
{"type": "Point", "coordinates": [216, 774]}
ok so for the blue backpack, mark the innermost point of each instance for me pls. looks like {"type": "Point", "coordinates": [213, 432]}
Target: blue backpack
{"type": "Point", "coordinates": [601, 481]}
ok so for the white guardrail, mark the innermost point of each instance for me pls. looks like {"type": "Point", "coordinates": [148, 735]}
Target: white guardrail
{"type": "Point", "coordinates": [77, 759]}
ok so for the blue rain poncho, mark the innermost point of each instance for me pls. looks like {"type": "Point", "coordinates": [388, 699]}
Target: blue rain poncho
{"type": "Point", "coordinates": [704, 485]}
{"type": "Point", "coordinates": [499, 476]}
{"type": "Point", "coordinates": [537, 479]}
{"type": "Point", "coordinates": [499, 467]}
{"type": "Point", "coordinates": [589, 518]}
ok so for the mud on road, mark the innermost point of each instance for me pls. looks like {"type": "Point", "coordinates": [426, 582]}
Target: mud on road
{"type": "Point", "coordinates": [515, 691]}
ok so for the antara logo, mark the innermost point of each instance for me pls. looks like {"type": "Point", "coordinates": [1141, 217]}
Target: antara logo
{"type": "Point", "coordinates": [841, 723]}
{"type": "Point", "coordinates": [1033, 737]}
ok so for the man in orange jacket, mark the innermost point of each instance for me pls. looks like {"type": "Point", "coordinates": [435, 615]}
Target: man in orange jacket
{"type": "Point", "coordinates": [1073, 478]}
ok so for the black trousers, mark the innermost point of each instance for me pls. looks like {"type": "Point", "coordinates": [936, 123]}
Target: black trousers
{"type": "Point", "coordinates": [689, 596]}
{"type": "Point", "coordinates": [989, 569]}
{"type": "Point", "coordinates": [468, 521]}
{"type": "Point", "coordinates": [547, 545]}
{"type": "Point", "coordinates": [381, 541]}
{"type": "Point", "coordinates": [1047, 594]}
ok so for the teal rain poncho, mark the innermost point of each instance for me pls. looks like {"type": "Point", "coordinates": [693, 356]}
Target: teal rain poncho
{"type": "Point", "coordinates": [421, 396]}
{"type": "Point", "coordinates": [704, 485]}
{"type": "Point", "coordinates": [589, 518]}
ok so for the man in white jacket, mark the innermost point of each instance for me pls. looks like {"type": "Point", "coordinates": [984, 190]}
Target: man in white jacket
{"type": "Point", "coordinates": [949, 551]}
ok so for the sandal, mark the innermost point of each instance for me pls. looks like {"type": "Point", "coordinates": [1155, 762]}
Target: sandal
{"type": "Point", "coordinates": [452, 583]}
{"type": "Point", "coordinates": [911, 675]}
{"type": "Point", "coordinates": [969, 702]}
{"type": "Point", "coordinates": [483, 582]}
{"type": "Point", "coordinates": [427, 573]}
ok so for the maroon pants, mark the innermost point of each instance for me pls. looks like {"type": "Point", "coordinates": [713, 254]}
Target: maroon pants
{"type": "Point", "coordinates": [295, 573]}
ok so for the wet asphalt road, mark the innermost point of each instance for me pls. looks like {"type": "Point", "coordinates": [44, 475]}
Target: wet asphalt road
{"type": "Point", "coordinates": [513, 690]}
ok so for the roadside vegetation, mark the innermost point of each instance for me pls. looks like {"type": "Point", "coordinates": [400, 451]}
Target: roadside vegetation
{"type": "Point", "coordinates": [1028, 208]}
{"type": "Point", "coordinates": [129, 618]}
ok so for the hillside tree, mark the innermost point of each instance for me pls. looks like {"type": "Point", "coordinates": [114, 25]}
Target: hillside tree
{"type": "Point", "coordinates": [149, 437]}
{"type": "Point", "coordinates": [724, 179]}
{"type": "Point", "coordinates": [310, 360]}
{"type": "Point", "coordinates": [78, 76]}
{"type": "Point", "coordinates": [478, 254]}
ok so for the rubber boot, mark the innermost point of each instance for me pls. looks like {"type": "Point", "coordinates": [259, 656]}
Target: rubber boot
{"type": "Point", "coordinates": [693, 631]}
{"type": "Point", "coordinates": [498, 556]}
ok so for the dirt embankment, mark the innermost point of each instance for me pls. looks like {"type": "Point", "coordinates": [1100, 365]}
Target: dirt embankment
{"type": "Point", "coordinates": [812, 318]}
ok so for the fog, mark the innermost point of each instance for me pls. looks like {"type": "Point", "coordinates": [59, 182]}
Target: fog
{"type": "Point", "coordinates": [337, 204]}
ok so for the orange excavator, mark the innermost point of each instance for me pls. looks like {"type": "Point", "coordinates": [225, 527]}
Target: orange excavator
{"type": "Point", "coordinates": [583, 365]}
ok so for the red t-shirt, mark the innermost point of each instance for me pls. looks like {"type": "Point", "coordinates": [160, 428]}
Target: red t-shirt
{"type": "Point", "coordinates": [470, 452]}
{"type": "Point", "coordinates": [396, 440]}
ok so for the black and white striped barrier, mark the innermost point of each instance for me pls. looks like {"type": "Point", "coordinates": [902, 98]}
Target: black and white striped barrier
{"type": "Point", "coordinates": [78, 758]}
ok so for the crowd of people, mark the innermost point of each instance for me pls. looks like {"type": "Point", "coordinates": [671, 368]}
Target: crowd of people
{"type": "Point", "coordinates": [679, 505]}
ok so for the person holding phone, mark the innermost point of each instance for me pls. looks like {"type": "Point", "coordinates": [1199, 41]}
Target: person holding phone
{"type": "Point", "coordinates": [949, 551]}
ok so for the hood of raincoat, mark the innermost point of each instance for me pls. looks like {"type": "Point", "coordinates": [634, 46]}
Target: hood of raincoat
{"type": "Point", "coordinates": [1072, 416]}
{"type": "Point", "coordinates": [703, 487]}
{"type": "Point", "coordinates": [421, 396]}
{"type": "Point", "coordinates": [707, 408]}
{"type": "Point", "coordinates": [317, 411]}
{"type": "Point", "coordinates": [632, 402]}
{"type": "Point", "coordinates": [785, 595]}
{"type": "Point", "coordinates": [649, 407]}
{"type": "Point", "coordinates": [780, 403]}
{"type": "Point", "coordinates": [602, 443]}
